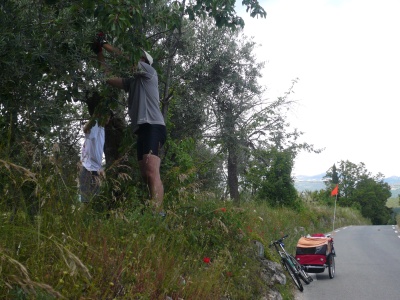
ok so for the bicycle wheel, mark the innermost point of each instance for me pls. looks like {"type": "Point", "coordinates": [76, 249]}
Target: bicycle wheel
{"type": "Point", "coordinates": [302, 274]}
{"type": "Point", "coordinates": [331, 266]}
{"type": "Point", "coordinates": [292, 272]}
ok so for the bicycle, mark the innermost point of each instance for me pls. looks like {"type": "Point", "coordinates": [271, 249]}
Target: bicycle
{"type": "Point", "coordinates": [290, 264]}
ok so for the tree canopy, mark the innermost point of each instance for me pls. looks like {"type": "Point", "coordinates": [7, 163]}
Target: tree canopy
{"type": "Point", "coordinates": [360, 189]}
{"type": "Point", "coordinates": [210, 88]}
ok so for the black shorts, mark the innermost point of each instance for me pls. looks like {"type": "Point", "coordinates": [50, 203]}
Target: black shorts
{"type": "Point", "coordinates": [151, 138]}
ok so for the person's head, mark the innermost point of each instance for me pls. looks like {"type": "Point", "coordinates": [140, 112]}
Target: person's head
{"type": "Point", "coordinates": [109, 117]}
{"type": "Point", "coordinates": [146, 57]}
{"type": "Point", "coordinates": [104, 118]}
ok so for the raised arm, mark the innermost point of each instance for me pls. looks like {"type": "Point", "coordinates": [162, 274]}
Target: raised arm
{"type": "Point", "coordinates": [97, 48]}
{"type": "Point", "coordinates": [115, 82]}
{"type": "Point", "coordinates": [114, 50]}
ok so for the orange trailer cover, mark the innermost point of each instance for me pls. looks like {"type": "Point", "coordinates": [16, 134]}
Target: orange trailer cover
{"type": "Point", "coordinates": [305, 242]}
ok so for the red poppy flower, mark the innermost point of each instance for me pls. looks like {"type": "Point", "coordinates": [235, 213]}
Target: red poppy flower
{"type": "Point", "coordinates": [206, 260]}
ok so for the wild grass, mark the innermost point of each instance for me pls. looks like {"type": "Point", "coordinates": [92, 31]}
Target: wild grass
{"type": "Point", "coordinates": [203, 249]}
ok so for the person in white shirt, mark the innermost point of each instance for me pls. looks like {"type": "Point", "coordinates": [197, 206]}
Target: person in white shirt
{"type": "Point", "coordinates": [91, 159]}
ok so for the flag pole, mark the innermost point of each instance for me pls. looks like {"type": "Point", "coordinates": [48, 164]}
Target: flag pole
{"type": "Point", "coordinates": [335, 192]}
{"type": "Point", "coordinates": [334, 214]}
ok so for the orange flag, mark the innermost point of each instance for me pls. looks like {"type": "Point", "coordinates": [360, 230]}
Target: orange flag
{"type": "Point", "coordinates": [335, 191]}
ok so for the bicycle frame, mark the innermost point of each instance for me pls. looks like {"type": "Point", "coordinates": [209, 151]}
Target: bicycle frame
{"type": "Point", "coordinates": [290, 264]}
{"type": "Point", "coordinates": [280, 248]}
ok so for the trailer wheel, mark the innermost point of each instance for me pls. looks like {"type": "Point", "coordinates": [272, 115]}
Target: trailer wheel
{"type": "Point", "coordinates": [331, 266]}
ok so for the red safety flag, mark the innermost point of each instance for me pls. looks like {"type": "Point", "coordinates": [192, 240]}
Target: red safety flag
{"type": "Point", "coordinates": [335, 191]}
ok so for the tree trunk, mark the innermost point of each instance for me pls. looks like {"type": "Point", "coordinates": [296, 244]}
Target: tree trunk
{"type": "Point", "coordinates": [113, 133]}
{"type": "Point", "coordinates": [233, 183]}
{"type": "Point", "coordinates": [172, 48]}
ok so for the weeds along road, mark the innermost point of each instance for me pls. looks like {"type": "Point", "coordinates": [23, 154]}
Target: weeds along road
{"type": "Point", "coordinates": [367, 266]}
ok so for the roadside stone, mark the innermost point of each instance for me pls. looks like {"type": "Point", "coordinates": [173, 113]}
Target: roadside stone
{"type": "Point", "coordinates": [273, 295]}
{"type": "Point", "coordinates": [272, 273]}
{"type": "Point", "coordinates": [259, 249]}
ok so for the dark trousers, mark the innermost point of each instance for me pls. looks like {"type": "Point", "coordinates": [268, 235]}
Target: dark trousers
{"type": "Point", "coordinates": [89, 184]}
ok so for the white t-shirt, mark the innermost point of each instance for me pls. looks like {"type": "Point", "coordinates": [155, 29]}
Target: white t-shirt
{"type": "Point", "coordinates": [92, 148]}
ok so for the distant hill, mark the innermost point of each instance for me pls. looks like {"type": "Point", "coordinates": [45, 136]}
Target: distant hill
{"type": "Point", "coordinates": [395, 193]}
{"type": "Point", "coordinates": [309, 183]}
{"type": "Point", "coordinates": [317, 177]}
{"type": "Point", "coordinates": [393, 180]}
{"type": "Point", "coordinates": [315, 183]}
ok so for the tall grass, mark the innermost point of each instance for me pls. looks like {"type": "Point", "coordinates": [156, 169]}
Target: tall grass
{"type": "Point", "coordinates": [203, 249]}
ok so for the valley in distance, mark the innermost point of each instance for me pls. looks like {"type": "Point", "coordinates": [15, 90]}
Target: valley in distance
{"type": "Point", "coordinates": [315, 183]}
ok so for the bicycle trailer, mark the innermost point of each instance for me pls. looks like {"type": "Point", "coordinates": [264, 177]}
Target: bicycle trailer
{"type": "Point", "coordinates": [316, 253]}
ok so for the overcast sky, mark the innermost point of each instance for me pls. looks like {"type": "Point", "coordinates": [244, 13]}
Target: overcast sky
{"type": "Point", "coordinates": [346, 56]}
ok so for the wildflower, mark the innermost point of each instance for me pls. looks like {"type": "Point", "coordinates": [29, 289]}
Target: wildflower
{"type": "Point", "coordinates": [206, 260]}
{"type": "Point", "coordinates": [223, 209]}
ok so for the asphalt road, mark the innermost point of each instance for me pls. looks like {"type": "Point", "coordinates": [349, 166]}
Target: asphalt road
{"type": "Point", "coordinates": [367, 266]}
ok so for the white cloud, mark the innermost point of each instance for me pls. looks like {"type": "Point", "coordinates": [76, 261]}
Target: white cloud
{"type": "Point", "coordinates": [346, 55]}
